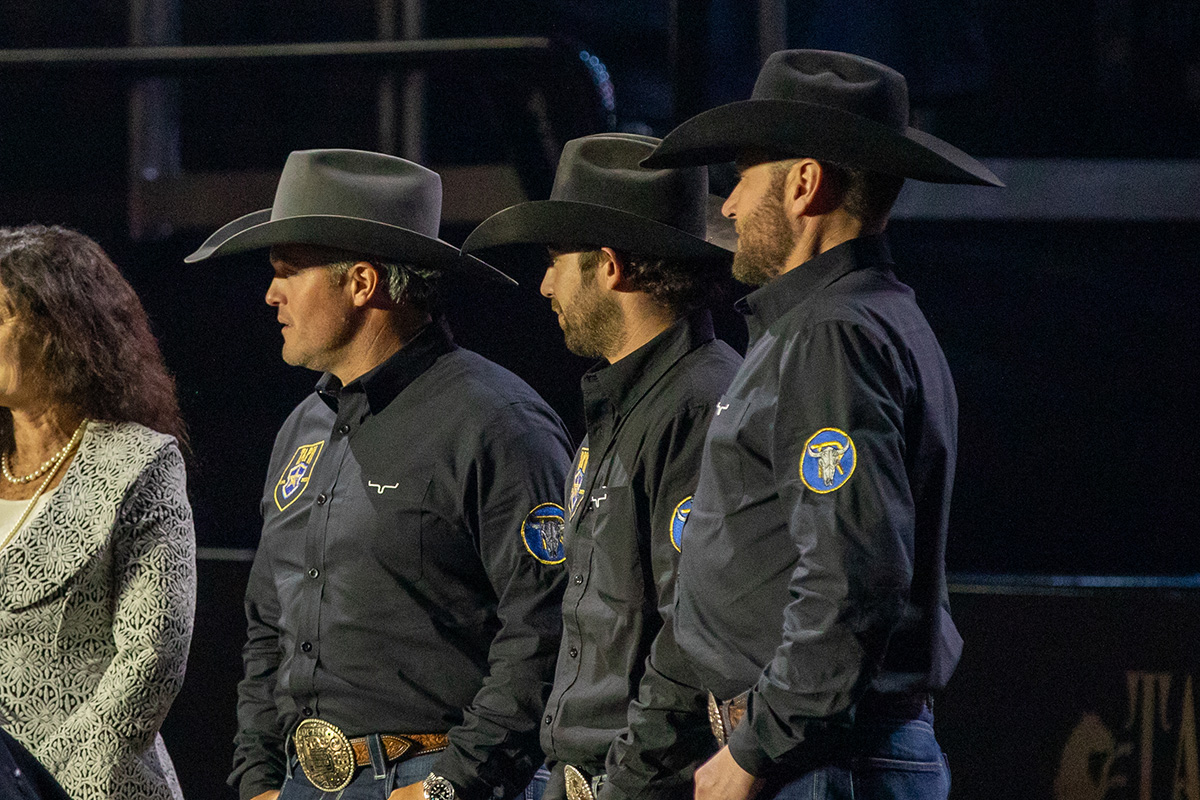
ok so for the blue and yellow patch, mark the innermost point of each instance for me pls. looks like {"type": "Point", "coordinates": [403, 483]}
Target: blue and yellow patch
{"type": "Point", "coordinates": [297, 474]}
{"type": "Point", "coordinates": [678, 520]}
{"type": "Point", "coordinates": [576, 497]}
{"type": "Point", "coordinates": [828, 461]}
{"type": "Point", "coordinates": [542, 532]}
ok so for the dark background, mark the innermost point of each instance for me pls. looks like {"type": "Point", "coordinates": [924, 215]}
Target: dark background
{"type": "Point", "coordinates": [1074, 343]}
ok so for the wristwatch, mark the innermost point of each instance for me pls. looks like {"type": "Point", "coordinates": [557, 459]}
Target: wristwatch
{"type": "Point", "coordinates": [437, 788]}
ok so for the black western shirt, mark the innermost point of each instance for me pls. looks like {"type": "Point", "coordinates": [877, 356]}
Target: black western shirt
{"type": "Point", "coordinates": [813, 565]}
{"type": "Point", "coordinates": [627, 497]}
{"type": "Point", "coordinates": [409, 576]}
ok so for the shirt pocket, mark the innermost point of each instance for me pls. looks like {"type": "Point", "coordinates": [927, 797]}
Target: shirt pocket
{"type": "Point", "coordinates": [397, 529]}
{"type": "Point", "coordinates": [723, 473]}
{"type": "Point", "coordinates": [610, 522]}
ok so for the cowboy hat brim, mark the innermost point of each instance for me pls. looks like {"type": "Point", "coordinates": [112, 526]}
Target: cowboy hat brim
{"type": "Point", "coordinates": [807, 130]}
{"type": "Point", "coordinates": [390, 242]}
{"type": "Point", "coordinates": [568, 222]}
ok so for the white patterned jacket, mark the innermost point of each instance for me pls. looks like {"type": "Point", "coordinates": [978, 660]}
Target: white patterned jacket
{"type": "Point", "coordinates": [97, 597]}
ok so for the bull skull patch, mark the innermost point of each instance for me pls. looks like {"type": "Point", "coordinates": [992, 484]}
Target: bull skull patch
{"type": "Point", "coordinates": [828, 461]}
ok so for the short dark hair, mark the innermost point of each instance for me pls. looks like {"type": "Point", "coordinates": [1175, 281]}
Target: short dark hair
{"type": "Point", "coordinates": [677, 284]}
{"type": "Point", "coordinates": [79, 314]}
{"type": "Point", "coordinates": [867, 196]}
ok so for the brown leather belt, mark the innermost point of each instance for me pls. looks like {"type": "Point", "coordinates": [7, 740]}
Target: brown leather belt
{"type": "Point", "coordinates": [724, 716]}
{"type": "Point", "coordinates": [894, 706]}
{"type": "Point", "coordinates": [329, 758]}
{"type": "Point", "coordinates": [395, 747]}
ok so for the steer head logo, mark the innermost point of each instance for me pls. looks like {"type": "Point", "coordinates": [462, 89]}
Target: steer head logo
{"type": "Point", "coordinates": [828, 460]}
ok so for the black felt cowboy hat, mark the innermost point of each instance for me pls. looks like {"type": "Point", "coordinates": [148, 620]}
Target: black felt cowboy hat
{"type": "Point", "coordinates": [602, 197]}
{"type": "Point", "coordinates": [367, 203]}
{"type": "Point", "coordinates": [829, 106]}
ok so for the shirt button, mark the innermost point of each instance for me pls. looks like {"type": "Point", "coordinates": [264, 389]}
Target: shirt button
{"type": "Point", "coordinates": [573, 652]}
{"type": "Point", "coordinates": [549, 719]}
{"type": "Point", "coordinates": [321, 498]}
{"type": "Point", "coordinates": [306, 647]}
{"type": "Point", "coordinates": [578, 579]}
{"type": "Point", "coordinates": [314, 572]}
{"type": "Point", "coordinates": [344, 429]}
{"type": "Point", "coordinates": [306, 711]}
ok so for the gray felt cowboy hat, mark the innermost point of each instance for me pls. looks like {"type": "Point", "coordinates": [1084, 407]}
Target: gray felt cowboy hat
{"type": "Point", "coordinates": [367, 203]}
{"type": "Point", "coordinates": [603, 198]}
{"type": "Point", "coordinates": [829, 106]}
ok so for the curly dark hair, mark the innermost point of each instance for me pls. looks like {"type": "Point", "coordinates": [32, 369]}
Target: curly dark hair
{"type": "Point", "coordinates": [79, 314]}
{"type": "Point", "coordinates": [679, 285]}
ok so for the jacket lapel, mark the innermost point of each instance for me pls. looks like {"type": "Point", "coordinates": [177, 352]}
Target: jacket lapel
{"type": "Point", "coordinates": [77, 522]}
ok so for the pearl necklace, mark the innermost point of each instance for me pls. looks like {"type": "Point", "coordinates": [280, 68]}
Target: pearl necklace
{"type": "Point", "coordinates": [6, 467]}
{"type": "Point", "coordinates": [55, 465]}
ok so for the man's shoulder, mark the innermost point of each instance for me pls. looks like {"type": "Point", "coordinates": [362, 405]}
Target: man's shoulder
{"type": "Point", "coordinates": [702, 375]}
{"type": "Point", "coordinates": [689, 391]}
{"type": "Point", "coordinates": [484, 385]}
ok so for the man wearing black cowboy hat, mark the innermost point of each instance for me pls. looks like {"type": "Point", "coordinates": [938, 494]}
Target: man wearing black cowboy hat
{"type": "Point", "coordinates": [812, 595]}
{"type": "Point", "coordinates": [629, 276]}
{"type": "Point", "coordinates": [404, 603]}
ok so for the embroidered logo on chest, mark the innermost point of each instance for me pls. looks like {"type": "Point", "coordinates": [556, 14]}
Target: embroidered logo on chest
{"type": "Point", "coordinates": [542, 532]}
{"type": "Point", "coordinates": [828, 461]}
{"type": "Point", "coordinates": [297, 474]}
{"type": "Point", "coordinates": [576, 498]}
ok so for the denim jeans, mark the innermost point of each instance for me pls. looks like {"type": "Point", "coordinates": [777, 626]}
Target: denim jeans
{"type": "Point", "coordinates": [365, 786]}
{"type": "Point", "coordinates": [537, 785]}
{"type": "Point", "coordinates": [886, 759]}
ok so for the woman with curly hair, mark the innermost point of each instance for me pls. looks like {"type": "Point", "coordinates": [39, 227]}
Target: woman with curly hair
{"type": "Point", "coordinates": [97, 550]}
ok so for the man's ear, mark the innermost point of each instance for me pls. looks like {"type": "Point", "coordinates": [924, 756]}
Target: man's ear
{"type": "Point", "coordinates": [610, 272]}
{"type": "Point", "coordinates": [810, 190]}
{"type": "Point", "coordinates": [364, 283]}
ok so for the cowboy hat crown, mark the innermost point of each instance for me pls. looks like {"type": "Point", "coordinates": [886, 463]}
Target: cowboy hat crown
{"type": "Point", "coordinates": [830, 106]}
{"type": "Point", "coordinates": [353, 200]}
{"type": "Point", "coordinates": [603, 197]}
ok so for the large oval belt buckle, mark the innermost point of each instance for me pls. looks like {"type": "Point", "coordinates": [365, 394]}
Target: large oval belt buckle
{"type": "Point", "coordinates": [325, 754]}
{"type": "Point", "coordinates": [715, 721]}
{"type": "Point", "coordinates": [578, 787]}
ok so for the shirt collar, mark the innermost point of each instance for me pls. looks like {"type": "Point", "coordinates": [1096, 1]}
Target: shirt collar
{"type": "Point", "coordinates": [384, 382]}
{"type": "Point", "coordinates": [620, 386]}
{"type": "Point", "coordinates": [771, 301]}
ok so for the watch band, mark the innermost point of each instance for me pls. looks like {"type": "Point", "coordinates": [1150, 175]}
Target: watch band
{"type": "Point", "coordinates": [435, 787]}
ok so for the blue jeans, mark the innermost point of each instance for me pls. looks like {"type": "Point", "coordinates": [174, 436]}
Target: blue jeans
{"type": "Point", "coordinates": [537, 785]}
{"type": "Point", "coordinates": [885, 759]}
{"type": "Point", "coordinates": [365, 786]}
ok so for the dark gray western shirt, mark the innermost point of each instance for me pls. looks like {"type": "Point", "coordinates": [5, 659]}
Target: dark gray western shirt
{"type": "Point", "coordinates": [627, 497]}
{"type": "Point", "coordinates": [813, 565]}
{"type": "Point", "coordinates": [409, 576]}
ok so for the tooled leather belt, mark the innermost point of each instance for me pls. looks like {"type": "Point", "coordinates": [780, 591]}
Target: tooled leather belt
{"type": "Point", "coordinates": [724, 716]}
{"type": "Point", "coordinates": [329, 758]}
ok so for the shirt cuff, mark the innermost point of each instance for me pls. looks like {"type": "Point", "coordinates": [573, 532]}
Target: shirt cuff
{"type": "Point", "coordinates": [743, 746]}
{"type": "Point", "coordinates": [257, 780]}
{"type": "Point", "coordinates": [466, 787]}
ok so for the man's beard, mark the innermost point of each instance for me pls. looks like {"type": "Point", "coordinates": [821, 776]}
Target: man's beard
{"type": "Point", "coordinates": [765, 239]}
{"type": "Point", "coordinates": [593, 325]}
